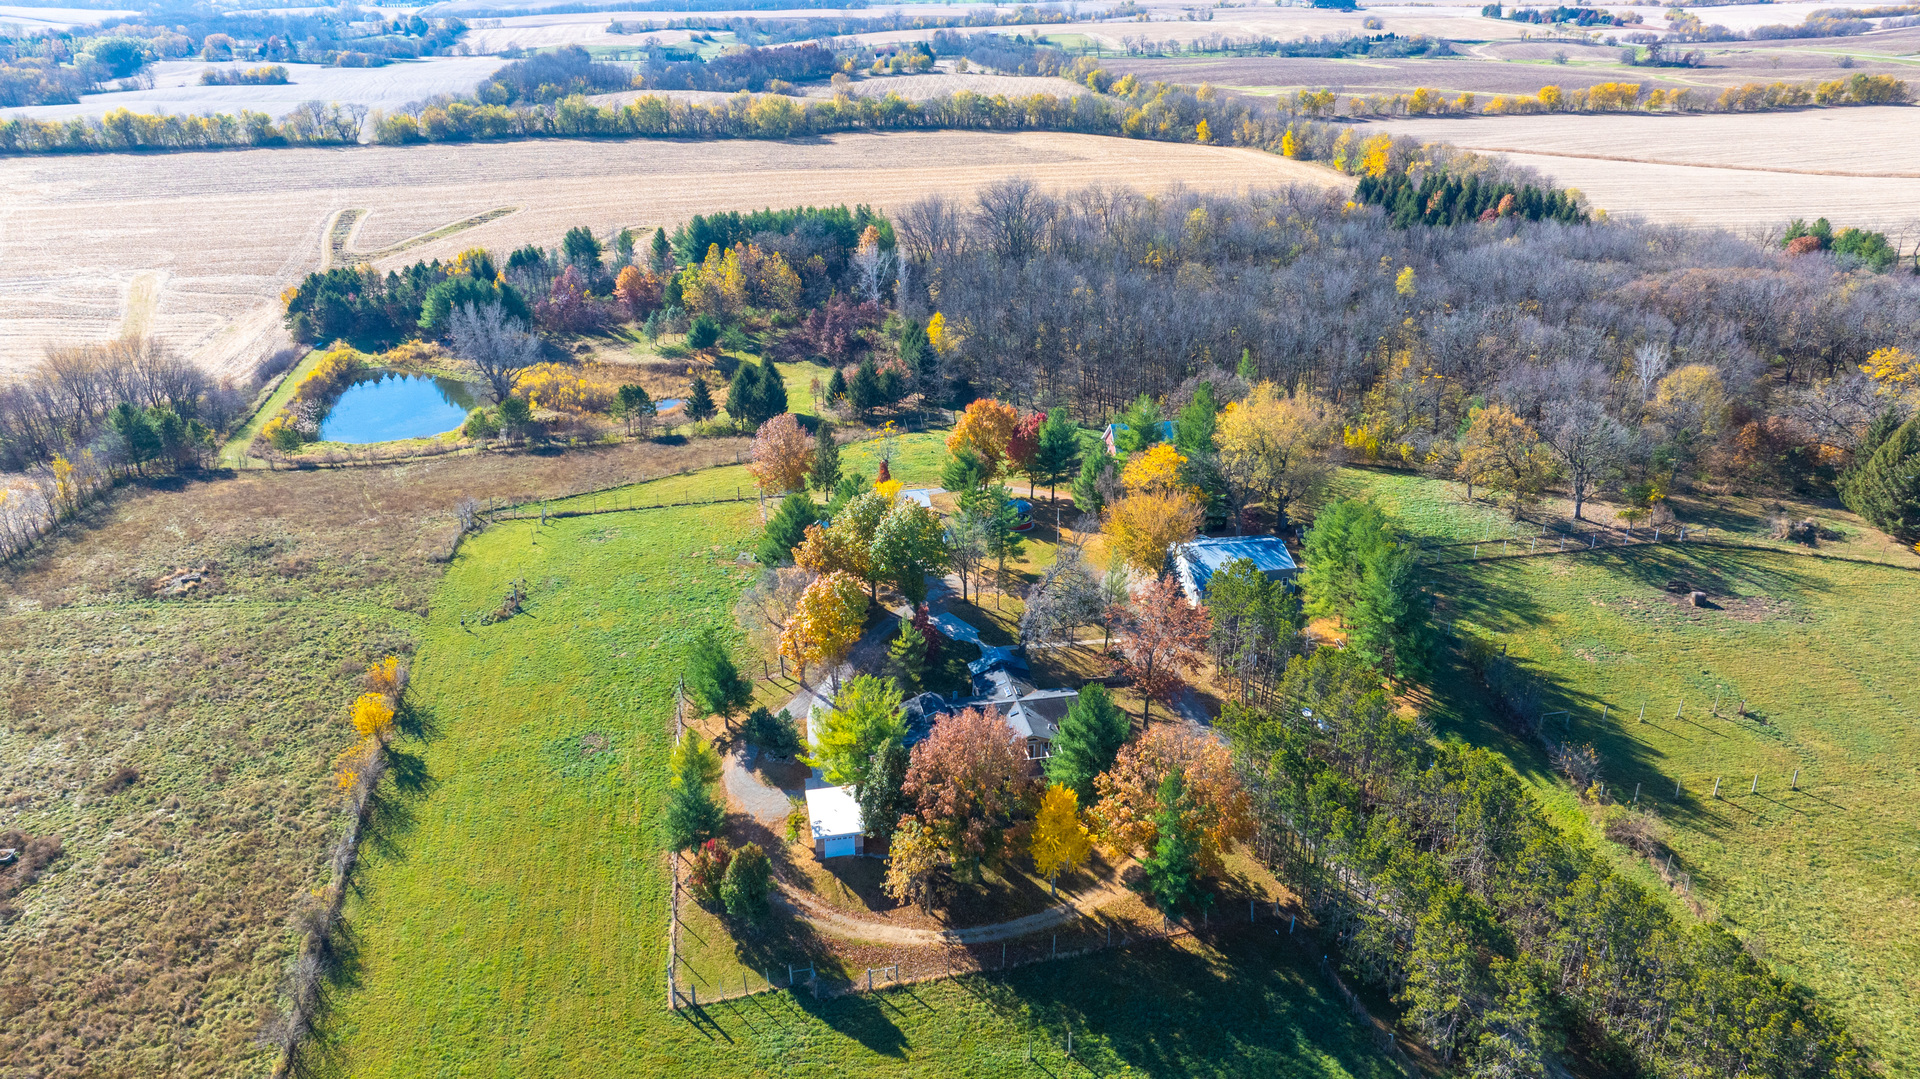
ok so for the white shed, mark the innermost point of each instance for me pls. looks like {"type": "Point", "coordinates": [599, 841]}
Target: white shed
{"type": "Point", "coordinates": [835, 817]}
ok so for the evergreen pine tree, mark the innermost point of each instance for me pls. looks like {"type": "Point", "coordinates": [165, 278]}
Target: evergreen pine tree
{"type": "Point", "coordinates": [837, 386]}
{"type": "Point", "coordinates": [826, 459]}
{"type": "Point", "coordinates": [1089, 737]}
{"type": "Point", "coordinates": [1881, 429]}
{"type": "Point", "coordinates": [908, 654]}
{"type": "Point", "coordinates": [1887, 491]}
{"type": "Point", "coordinates": [786, 528]}
{"type": "Point", "coordinates": [699, 401]}
{"type": "Point", "coordinates": [1193, 431]}
{"type": "Point", "coordinates": [1058, 452]}
{"type": "Point", "coordinates": [713, 681]}
{"type": "Point", "coordinates": [743, 394]}
{"type": "Point", "coordinates": [660, 252]}
{"type": "Point", "coordinates": [770, 399]}
{"type": "Point", "coordinates": [864, 390]}
{"type": "Point", "coordinates": [1248, 371]}
{"type": "Point", "coordinates": [1172, 866]}
{"type": "Point", "coordinates": [693, 817]}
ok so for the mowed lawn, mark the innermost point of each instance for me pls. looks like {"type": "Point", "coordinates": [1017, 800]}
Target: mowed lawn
{"type": "Point", "coordinates": [1821, 880]}
{"type": "Point", "coordinates": [512, 922]}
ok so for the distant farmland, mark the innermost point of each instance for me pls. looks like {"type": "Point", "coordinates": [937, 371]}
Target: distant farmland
{"type": "Point", "coordinates": [211, 239]}
{"type": "Point", "coordinates": [1853, 165]}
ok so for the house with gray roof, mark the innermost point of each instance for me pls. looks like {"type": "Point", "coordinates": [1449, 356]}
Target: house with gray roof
{"type": "Point", "coordinates": [1196, 562]}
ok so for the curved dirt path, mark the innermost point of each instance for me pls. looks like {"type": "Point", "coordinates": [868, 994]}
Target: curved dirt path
{"type": "Point", "coordinates": [834, 922]}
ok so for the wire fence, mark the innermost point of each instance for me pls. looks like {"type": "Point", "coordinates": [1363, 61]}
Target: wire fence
{"type": "Point", "coordinates": [1550, 542]}
{"type": "Point", "coordinates": [1227, 927]}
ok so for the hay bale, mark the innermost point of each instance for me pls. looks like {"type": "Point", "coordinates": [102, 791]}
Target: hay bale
{"type": "Point", "coordinates": [1698, 599]}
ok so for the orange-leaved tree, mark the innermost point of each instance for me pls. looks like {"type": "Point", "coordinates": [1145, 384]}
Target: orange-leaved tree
{"type": "Point", "coordinates": [967, 782]}
{"type": "Point", "coordinates": [638, 291]}
{"type": "Point", "coordinates": [1217, 809]}
{"type": "Point", "coordinates": [1163, 635]}
{"type": "Point", "coordinates": [825, 622]}
{"type": "Point", "coordinates": [985, 428]}
{"type": "Point", "coordinates": [782, 455]}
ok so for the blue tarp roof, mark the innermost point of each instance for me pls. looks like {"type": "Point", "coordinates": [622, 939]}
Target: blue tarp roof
{"type": "Point", "coordinates": [1197, 561]}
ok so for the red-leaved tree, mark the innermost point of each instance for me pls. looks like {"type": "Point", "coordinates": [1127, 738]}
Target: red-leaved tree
{"type": "Point", "coordinates": [1164, 635]}
{"type": "Point", "coordinates": [966, 782]}
{"type": "Point", "coordinates": [1024, 447]}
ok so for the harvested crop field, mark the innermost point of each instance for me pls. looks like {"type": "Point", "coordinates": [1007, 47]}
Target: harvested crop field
{"type": "Point", "coordinates": [1853, 165]}
{"type": "Point", "coordinates": [219, 235]}
{"type": "Point", "coordinates": [177, 88]}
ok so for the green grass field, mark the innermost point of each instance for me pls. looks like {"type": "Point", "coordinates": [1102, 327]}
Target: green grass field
{"type": "Point", "coordinates": [1823, 880]}
{"type": "Point", "coordinates": [510, 919]}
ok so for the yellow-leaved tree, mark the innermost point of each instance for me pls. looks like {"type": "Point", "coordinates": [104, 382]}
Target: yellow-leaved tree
{"type": "Point", "coordinates": [1143, 527]}
{"type": "Point", "coordinates": [939, 334]}
{"type": "Point", "coordinates": [1155, 470]}
{"type": "Point", "coordinates": [1502, 451]}
{"type": "Point", "coordinates": [825, 622]}
{"type": "Point", "coordinates": [373, 716]}
{"type": "Point", "coordinates": [1273, 446]}
{"type": "Point", "coordinates": [1060, 840]}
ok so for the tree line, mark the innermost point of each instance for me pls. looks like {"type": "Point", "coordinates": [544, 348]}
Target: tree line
{"type": "Point", "coordinates": [1507, 941]}
{"type": "Point", "coordinates": [1628, 354]}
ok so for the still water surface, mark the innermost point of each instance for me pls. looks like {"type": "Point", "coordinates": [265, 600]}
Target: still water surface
{"type": "Point", "coordinates": [385, 405]}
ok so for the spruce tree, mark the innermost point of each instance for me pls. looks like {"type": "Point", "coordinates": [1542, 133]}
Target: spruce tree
{"type": "Point", "coordinates": [826, 459]}
{"type": "Point", "coordinates": [786, 528]}
{"type": "Point", "coordinates": [1058, 453]}
{"type": "Point", "coordinates": [1172, 866]}
{"type": "Point", "coordinates": [712, 679]}
{"type": "Point", "coordinates": [660, 253]}
{"type": "Point", "coordinates": [693, 817]}
{"type": "Point", "coordinates": [1088, 740]}
{"type": "Point", "coordinates": [880, 798]}
{"type": "Point", "coordinates": [1887, 491]}
{"type": "Point", "coordinates": [699, 401]}
{"type": "Point", "coordinates": [864, 389]}
{"type": "Point", "coordinates": [743, 394]}
{"type": "Point", "coordinates": [837, 386]}
{"type": "Point", "coordinates": [770, 398]}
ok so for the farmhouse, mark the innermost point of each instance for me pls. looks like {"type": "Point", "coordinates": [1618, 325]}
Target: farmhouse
{"type": "Point", "coordinates": [999, 684]}
{"type": "Point", "coordinates": [1113, 430]}
{"type": "Point", "coordinates": [835, 820]}
{"type": "Point", "coordinates": [1195, 563]}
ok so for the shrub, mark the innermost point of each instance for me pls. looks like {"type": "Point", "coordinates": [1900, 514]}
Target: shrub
{"type": "Point", "coordinates": [747, 884]}
{"type": "Point", "coordinates": [707, 871]}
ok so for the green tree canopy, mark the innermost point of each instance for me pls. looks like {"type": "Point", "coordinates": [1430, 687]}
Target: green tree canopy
{"type": "Point", "coordinates": [853, 734]}
{"type": "Point", "coordinates": [1088, 740]}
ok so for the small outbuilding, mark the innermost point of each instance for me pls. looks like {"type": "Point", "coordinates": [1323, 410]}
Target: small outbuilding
{"type": "Point", "coordinates": [1196, 562]}
{"type": "Point", "coordinates": [1110, 437]}
{"type": "Point", "coordinates": [835, 818]}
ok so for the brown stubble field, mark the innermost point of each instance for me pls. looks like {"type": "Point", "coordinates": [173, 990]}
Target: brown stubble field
{"type": "Point", "coordinates": [180, 748]}
{"type": "Point", "coordinates": [223, 233]}
{"type": "Point", "coordinates": [1741, 170]}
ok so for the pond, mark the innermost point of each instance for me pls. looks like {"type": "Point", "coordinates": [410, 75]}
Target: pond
{"type": "Point", "coordinates": [383, 405]}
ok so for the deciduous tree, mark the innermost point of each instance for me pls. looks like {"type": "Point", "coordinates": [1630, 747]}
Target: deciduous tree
{"type": "Point", "coordinates": [782, 455]}
{"type": "Point", "coordinates": [1060, 841]}
{"type": "Point", "coordinates": [985, 428]}
{"type": "Point", "coordinates": [1164, 636]}
{"type": "Point", "coordinates": [1501, 451]}
{"type": "Point", "coordinates": [967, 780]}
{"type": "Point", "coordinates": [1274, 446]}
{"type": "Point", "coordinates": [919, 867]}
{"type": "Point", "coordinates": [1144, 527]}
{"type": "Point", "coordinates": [1128, 818]}
{"type": "Point", "coordinates": [849, 738]}
{"type": "Point", "coordinates": [825, 622]}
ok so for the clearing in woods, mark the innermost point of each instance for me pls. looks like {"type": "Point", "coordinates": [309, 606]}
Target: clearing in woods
{"type": "Point", "coordinates": [1821, 880]}
{"type": "Point", "coordinates": [114, 217]}
{"type": "Point", "coordinates": [517, 925]}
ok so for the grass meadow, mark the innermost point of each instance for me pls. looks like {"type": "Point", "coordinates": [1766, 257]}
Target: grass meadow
{"type": "Point", "coordinates": [512, 919]}
{"type": "Point", "coordinates": [1822, 880]}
